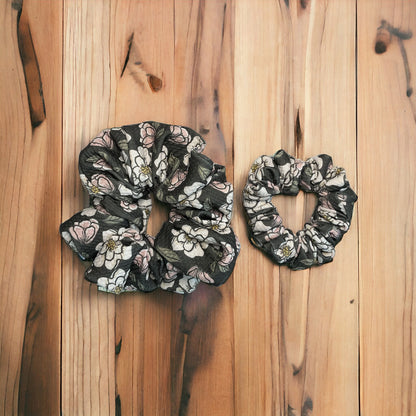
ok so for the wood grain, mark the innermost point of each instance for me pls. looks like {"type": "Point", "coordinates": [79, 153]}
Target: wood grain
{"type": "Point", "coordinates": [88, 317]}
{"type": "Point", "coordinates": [386, 156]}
{"type": "Point", "coordinates": [285, 98]}
{"type": "Point", "coordinates": [30, 96]}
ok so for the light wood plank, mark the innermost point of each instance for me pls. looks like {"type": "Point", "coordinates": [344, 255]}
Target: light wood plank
{"type": "Point", "coordinates": [387, 154]}
{"type": "Point", "coordinates": [30, 95]}
{"type": "Point", "coordinates": [187, 45]}
{"type": "Point", "coordinates": [290, 350]}
{"type": "Point", "coordinates": [204, 100]}
{"type": "Point", "coordinates": [145, 322]}
{"type": "Point", "coordinates": [88, 317]}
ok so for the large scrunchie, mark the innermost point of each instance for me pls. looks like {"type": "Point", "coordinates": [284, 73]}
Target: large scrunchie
{"type": "Point", "coordinates": [283, 174]}
{"type": "Point", "coordinates": [119, 168]}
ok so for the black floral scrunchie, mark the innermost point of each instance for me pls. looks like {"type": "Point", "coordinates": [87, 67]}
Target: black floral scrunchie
{"type": "Point", "coordinates": [119, 169]}
{"type": "Point", "coordinates": [283, 174]}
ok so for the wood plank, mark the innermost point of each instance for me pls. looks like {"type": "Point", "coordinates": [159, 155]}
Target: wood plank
{"type": "Point", "coordinates": [182, 345]}
{"type": "Point", "coordinates": [387, 172]}
{"type": "Point", "coordinates": [290, 351]}
{"type": "Point", "coordinates": [204, 99]}
{"type": "Point", "coordinates": [88, 317]}
{"type": "Point", "coordinates": [31, 91]}
{"type": "Point", "coordinates": [145, 322]}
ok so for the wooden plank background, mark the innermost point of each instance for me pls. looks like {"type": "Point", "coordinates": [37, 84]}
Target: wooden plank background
{"type": "Point", "coordinates": [309, 76]}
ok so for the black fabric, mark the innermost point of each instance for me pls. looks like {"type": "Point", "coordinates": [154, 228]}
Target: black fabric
{"type": "Point", "coordinates": [119, 169]}
{"type": "Point", "coordinates": [283, 174]}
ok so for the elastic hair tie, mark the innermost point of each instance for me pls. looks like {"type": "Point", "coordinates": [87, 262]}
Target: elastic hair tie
{"type": "Point", "coordinates": [119, 169]}
{"type": "Point", "coordinates": [283, 174]}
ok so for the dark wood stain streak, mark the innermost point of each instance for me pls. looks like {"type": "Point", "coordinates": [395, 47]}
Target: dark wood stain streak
{"type": "Point", "coordinates": [118, 346]}
{"type": "Point", "coordinates": [31, 70]}
{"type": "Point", "coordinates": [290, 410]}
{"type": "Point", "coordinates": [204, 130]}
{"type": "Point", "coordinates": [118, 405]}
{"type": "Point", "coordinates": [223, 23]}
{"type": "Point", "coordinates": [307, 407]}
{"type": "Point", "coordinates": [126, 60]}
{"type": "Point", "coordinates": [304, 3]}
{"type": "Point", "coordinates": [198, 327]}
{"type": "Point", "coordinates": [298, 134]}
{"type": "Point", "coordinates": [384, 34]}
{"type": "Point", "coordinates": [17, 4]}
{"type": "Point", "coordinates": [296, 370]}
{"type": "Point", "coordinates": [409, 89]}
{"type": "Point", "coordinates": [287, 3]}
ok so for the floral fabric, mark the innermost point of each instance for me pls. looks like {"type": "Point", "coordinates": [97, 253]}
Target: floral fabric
{"type": "Point", "coordinates": [283, 174]}
{"type": "Point", "coordinates": [119, 168]}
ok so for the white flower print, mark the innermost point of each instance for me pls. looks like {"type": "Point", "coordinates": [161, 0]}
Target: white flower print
{"type": "Point", "coordinates": [196, 145]}
{"type": "Point", "coordinates": [89, 212]}
{"type": "Point", "coordinates": [186, 284]}
{"type": "Point", "coordinates": [274, 221]}
{"type": "Point", "coordinates": [161, 164]}
{"type": "Point", "coordinates": [179, 135]}
{"type": "Point", "coordinates": [140, 170]}
{"type": "Point", "coordinates": [124, 191]}
{"type": "Point", "coordinates": [319, 241]}
{"type": "Point", "coordinates": [147, 134]}
{"type": "Point", "coordinates": [190, 241]}
{"type": "Point", "coordinates": [315, 163]}
{"type": "Point", "coordinates": [257, 168]}
{"type": "Point", "coordinates": [290, 171]}
{"type": "Point", "coordinates": [335, 177]}
{"type": "Point", "coordinates": [228, 254]}
{"type": "Point", "coordinates": [84, 231]}
{"type": "Point", "coordinates": [195, 271]}
{"type": "Point", "coordinates": [191, 195]}
{"type": "Point", "coordinates": [111, 251]}
{"type": "Point", "coordinates": [116, 283]}
{"type": "Point", "coordinates": [286, 250]}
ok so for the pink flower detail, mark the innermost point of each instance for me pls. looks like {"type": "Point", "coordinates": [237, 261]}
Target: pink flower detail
{"type": "Point", "coordinates": [101, 183]}
{"type": "Point", "coordinates": [228, 254]}
{"type": "Point", "coordinates": [179, 135]}
{"type": "Point", "coordinates": [177, 178]}
{"type": "Point", "coordinates": [147, 134]}
{"type": "Point", "coordinates": [172, 272]}
{"type": "Point", "coordinates": [273, 233]}
{"type": "Point", "coordinates": [102, 165]}
{"type": "Point", "coordinates": [224, 187]}
{"type": "Point", "coordinates": [142, 260]}
{"type": "Point", "coordinates": [128, 207]}
{"type": "Point", "coordinates": [84, 231]}
{"type": "Point", "coordinates": [174, 216]}
{"type": "Point", "coordinates": [103, 140]}
{"type": "Point", "coordinates": [195, 271]}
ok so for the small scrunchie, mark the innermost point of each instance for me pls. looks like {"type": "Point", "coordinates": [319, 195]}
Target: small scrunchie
{"type": "Point", "coordinates": [283, 174]}
{"type": "Point", "coordinates": [119, 168]}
